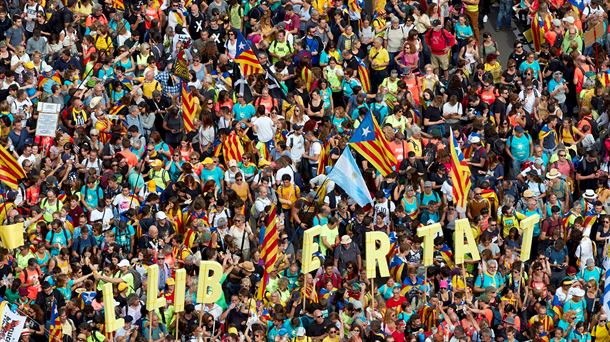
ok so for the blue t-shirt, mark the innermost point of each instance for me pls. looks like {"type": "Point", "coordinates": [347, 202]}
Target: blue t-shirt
{"type": "Point", "coordinates": [484, 280]}
{"type": "Point", "coordinates": [215, 174]}
{"type": "Point", "coordinates": [243, 112]}
{"type": "Point", "coordinates": [463, 32]}
{"type": "Point", "coordinates": [92, 196]}
{"type": "Point", "coordinates": [60, 238]}
{"type": "Point", "coordinates": [594, 274]}
{"type": "Point", "coordinates": [520, 147]}
{"type": "Point", "coordinates": [580, 308]}
{"type": "Point", "coordinates": [535, 66]}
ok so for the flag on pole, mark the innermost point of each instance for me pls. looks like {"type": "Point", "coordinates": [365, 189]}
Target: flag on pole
{"type": "Point", "coordinates": [240, 85]}
{"type": "Point", "coordinates": [245, 57]}
{"type": "Point", "coordinates": [189, 109]}
{"type": "Point", "coordinates": [459, 173]}
{"type": "Point", "coordinates": [275, 88]}
{"type": "Point", "coordinates": [347, 175]}
{"type": "Point", "coordinates": [369, 141]}
{"type": "Point", "coordinates": [354, 6]}
{"type": "Point", "coordinates": [269, 250]}
{"type": "Point", "coordinates": [10, 170]}
{"type": "Point", "coordinates": [55, 330]}
{"type": "Point", "coordinates": [363, 74]}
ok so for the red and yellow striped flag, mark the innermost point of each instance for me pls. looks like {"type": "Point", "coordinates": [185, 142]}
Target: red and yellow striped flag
{"type": "Point", "coordinates": [55, 330]}
{"type": "Point", "coordinates": [118, 4]}
{"type": "Point", "coordinates": [460, 173]}
{"type": "Point", "coordinates": [116, 109]}
{"type": "Point", "coordinates": [307, 76]}
{"type": "Point", "coordinates": [363, 74]}
{"type": "Point", "coordinates": [232, 148]}
{"type": "Point", "coordinates": [370, 142]}
{"type": "Point", "coordinates": [10, 171]}
{"type": "Point", "coordinates": [269, 249]}
{"type": "Point", "coordinates": [188, 109]}
{"type": "Point", "coordinates": [324, 159]}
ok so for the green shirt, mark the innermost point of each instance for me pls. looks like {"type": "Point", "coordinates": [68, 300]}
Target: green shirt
{"type": "Point", "coordinates": [330, 234]}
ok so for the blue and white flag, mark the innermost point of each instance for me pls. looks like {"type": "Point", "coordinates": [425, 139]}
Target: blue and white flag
{"type": "Point", "coordinates": [347, 175]}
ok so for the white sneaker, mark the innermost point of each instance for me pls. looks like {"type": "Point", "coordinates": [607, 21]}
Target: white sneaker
{"type": "Point", "coordinates": [485, 18]}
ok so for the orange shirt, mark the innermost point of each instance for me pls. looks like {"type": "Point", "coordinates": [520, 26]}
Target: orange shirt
{"type": "Point", "coordinates": [131, 157]}
{"type": "Point", "coordinates": [399, 150]}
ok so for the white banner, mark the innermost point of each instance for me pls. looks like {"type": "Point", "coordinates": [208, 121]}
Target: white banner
{"type": "Point", "coordinates": [12, 324]}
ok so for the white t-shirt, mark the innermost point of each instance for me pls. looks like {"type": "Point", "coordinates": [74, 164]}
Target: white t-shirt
{"type": "Point", "coordinates": [449, 109]}
{"type": "Point", "coordinates": [286, 170]}
{"type": "Point", "coordinates": [15, 59]}
{"type": "Point", "coordinates": [105, 216]}
{"type": "Point", "coordinates": [122, 202]}
{"type": "Point", "coordinates": [386, 207]}
{"type": "Point", "coordinates": [265, 129]}
{"type": "Point", "coordinates": [315, 148]}
{"type": "Point", "coordinates": [296, 142]}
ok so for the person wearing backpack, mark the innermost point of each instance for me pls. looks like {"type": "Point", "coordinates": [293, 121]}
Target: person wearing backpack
{"type": "Point", "coordinates": [440, 42]}
{"type": "Point", "coordinates": [58, 237]}
{"type": "Point", "coordinates": [280, 48]}
{"type": "Point", "coordinates": [519, 147]}
{"type": "Point", "coordinates": [584, 75]}
{"type": "Point", "coordinates": [125, 275]}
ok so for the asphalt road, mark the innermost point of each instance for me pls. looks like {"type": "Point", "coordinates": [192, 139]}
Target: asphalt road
{"type": "Point", "coordinates": [504, 39]}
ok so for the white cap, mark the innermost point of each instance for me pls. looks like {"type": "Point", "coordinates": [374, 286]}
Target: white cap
{"type": "Point", "coordinates": [161, 216]}
{"type": "Point", "coordinates": [124, 263]}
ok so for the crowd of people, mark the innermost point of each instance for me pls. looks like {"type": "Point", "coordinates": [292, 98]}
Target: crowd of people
{"type": "Point", "coordinates": [277, 89]}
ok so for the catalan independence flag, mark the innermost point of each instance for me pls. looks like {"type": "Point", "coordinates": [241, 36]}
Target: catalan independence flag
{"type": "Point", "coordinates": [55, 330]}
{"type": "Point", "coordinates": [460, 173]}
{"type": "Point", "coordinates": [269, 249]}
{"type": "Point", "coordinates": [363, 74]}
{"type": "Point", "coordinates": [369, 141]}
{"type": "Point", "coordinates": [10, 170]}
{"type": "Point", "coordinates": [245, 57]}
{"type": "Point", "coordinates": [189, 110]}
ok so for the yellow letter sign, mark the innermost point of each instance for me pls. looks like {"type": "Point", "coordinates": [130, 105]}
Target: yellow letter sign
{"type": "Point", "coordinates": [377, 256]}
{"type": "Point", "coordinates": [309, 248]}
{"type": "Point", "coordinates": [527, 225]}
{"type": "Point", "coordinates": [209, 288]}
{"type": "Point", "coordinates": [112, 324]}
{"type": "Point", "coordinates": [463, 231]}
{"type": "Point", "coordinates": [428, 233]}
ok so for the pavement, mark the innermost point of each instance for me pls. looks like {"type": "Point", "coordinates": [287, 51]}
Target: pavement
{"type": "Point", "coordinates": [504, 39]}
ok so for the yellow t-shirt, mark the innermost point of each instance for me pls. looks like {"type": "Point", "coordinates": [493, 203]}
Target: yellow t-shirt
{"type": "Point", "coordinates": [600, 332]}
{"type": "Point", "coordinates": [149, 87]}
{"type": "Point", "coordinates": [472, 8]}
{"type": "Point", "coordinates": [378, 57]}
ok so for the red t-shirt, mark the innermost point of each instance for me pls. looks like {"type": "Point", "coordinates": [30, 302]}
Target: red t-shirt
{"type": "Point", "coordinates": [392, 303]}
